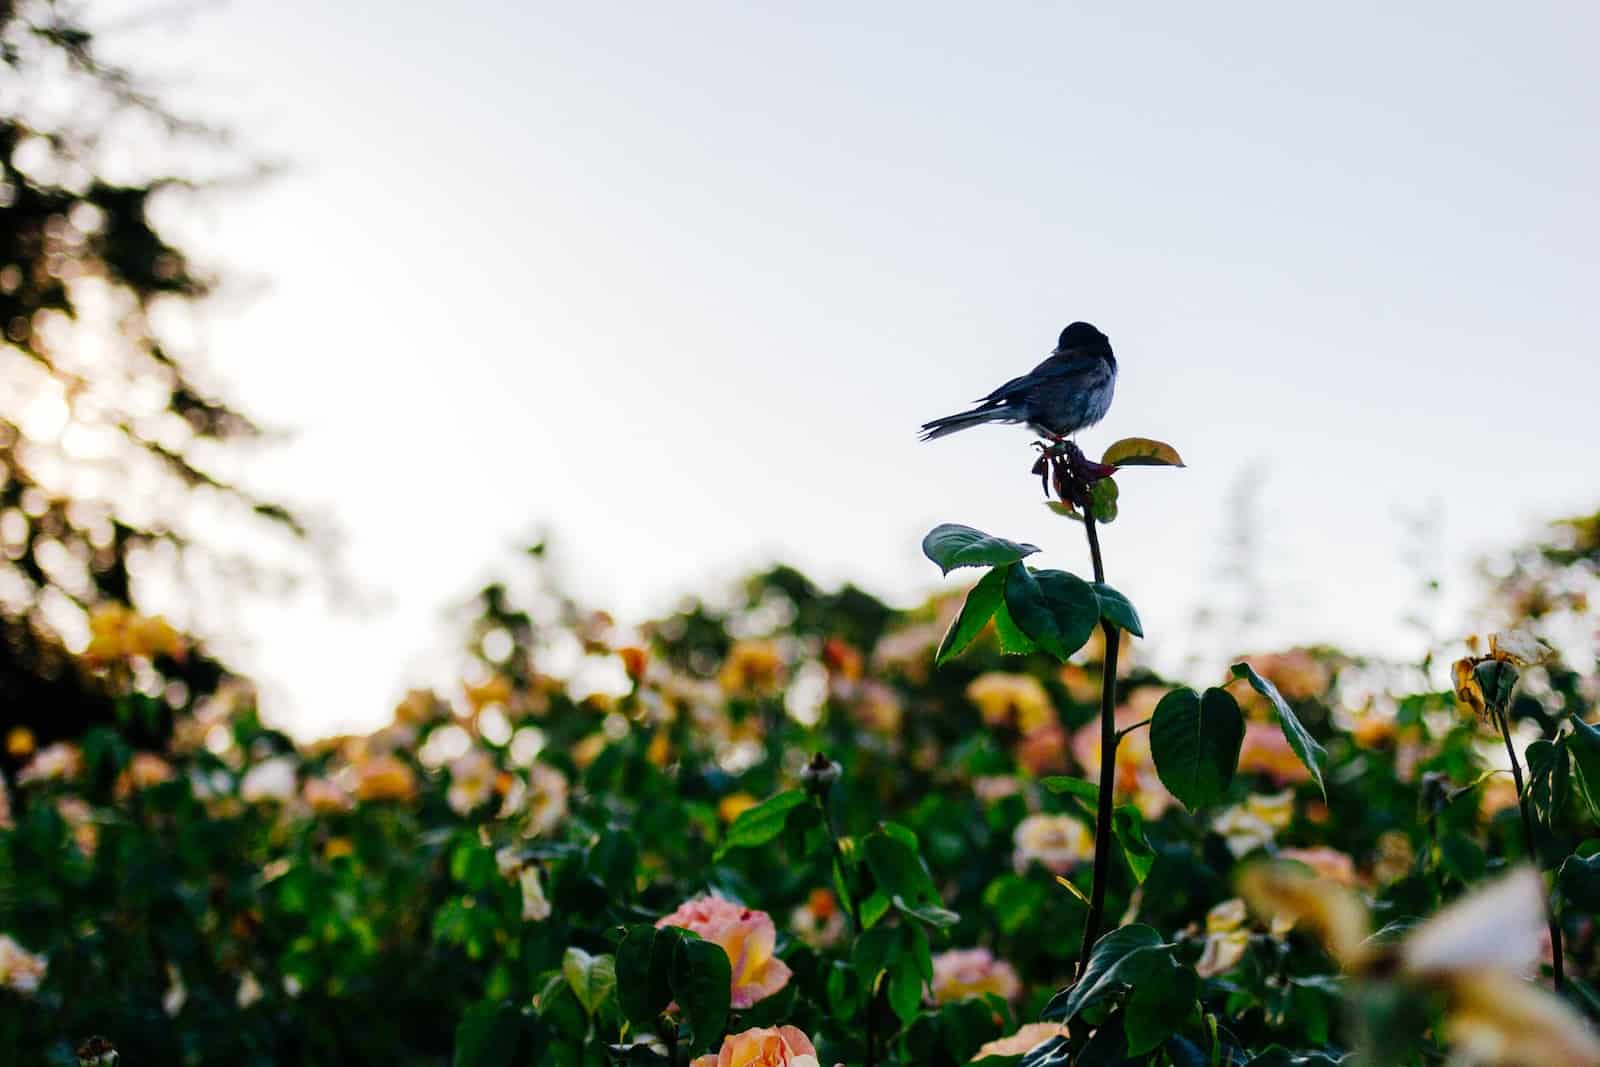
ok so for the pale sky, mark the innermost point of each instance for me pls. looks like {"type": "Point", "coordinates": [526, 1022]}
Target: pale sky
{"type": "Point", "coordinates": [677, 283]}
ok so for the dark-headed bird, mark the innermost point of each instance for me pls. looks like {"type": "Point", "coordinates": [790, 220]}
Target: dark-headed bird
{"type": "Point", "coordinates": [1070, 390]}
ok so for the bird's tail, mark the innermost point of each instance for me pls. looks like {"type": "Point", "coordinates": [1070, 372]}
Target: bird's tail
{"type": "Point", "coordinates": [951, 423]}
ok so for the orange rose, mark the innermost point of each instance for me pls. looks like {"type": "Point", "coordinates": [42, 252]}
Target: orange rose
{"type": "Point", "coordinates": [748, 937]}
{"type": "Point", "coordinates": [763, 1046]}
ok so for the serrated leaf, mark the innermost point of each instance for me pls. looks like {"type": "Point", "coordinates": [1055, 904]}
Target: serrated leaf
{"type": "Point", "coordinates": [982, 601]}
{"type": "Point", "coordinates": [1013, 642]}
{"type": "Point", "coordinates": [951, 545]}
{"type": "Point", "coordinates": [1141, 452]}
{"type": "Point", "coordinates": [1117, 609]}
{"type": "Point", "coordinates": [760, 824]}
{"type": "Point", "coordinates": [1310, 753]}
{"type": "Point", "coordinates": [1195, 742]}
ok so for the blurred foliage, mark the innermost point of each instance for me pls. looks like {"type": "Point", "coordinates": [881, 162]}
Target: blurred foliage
{"type": "Point", "coordinates": [110, 437]}
{"type": "Point", "coordinates": [481, 880]}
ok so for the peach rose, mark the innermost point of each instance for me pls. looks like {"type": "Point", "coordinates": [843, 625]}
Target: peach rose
{"type": "Point", "coordinates": [385, 778]}
{"type": "Point", "coordinates": [748, 937]}
{"type": "Point", "coordinates": [763, 1046]}
{"type": "Point", "coordinates": [1016, 700]}
{"type": "Point", "coordinates": [1030, 1037]}
{"type": "Point", "coordinates": [1057, 842]}
{"type": "Point", "coordinates": [972, 972]}
{"type": "Point", "coordinates": [1266, 751]}
{"type": "Point", "coordinates": [1329, 863]}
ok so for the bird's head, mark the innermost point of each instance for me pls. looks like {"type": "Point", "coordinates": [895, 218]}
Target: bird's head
{"type": "Point", "coordinates": [1083, 336]}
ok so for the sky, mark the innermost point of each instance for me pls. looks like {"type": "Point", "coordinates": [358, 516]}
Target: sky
{"type": "Point", "coordinates": [675, 284]}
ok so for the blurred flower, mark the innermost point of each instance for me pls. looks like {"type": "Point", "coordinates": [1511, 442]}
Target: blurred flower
{"type": "Point", "coordinates": [385, 777]}
{"type": "Point", "coordinates": [535, 905]}
{"type": "Point", "coordinates": [782, 1046]}
{"type": "Point", "coordinates": [1297, 673]}
{"type": "Point", "coordinates": [1375, 730]}
{"type": "Point", "coordinates": [1043, 751]}
{"type": "Point", "coordinates": [753, 669]}
{"type": "Point", "coordinates": [973, 972]}
{"type": "Point", "coordinates": [419, 708]}
{"type": "Point", "coordinates": [877, 708]}
{"type": "Point", "coordinates": [843, 661]}
{"type": "Point", "coordinates": [249, 991]}
{"type": "Point", "coordinates": [1030, 1036]}
{"type": "Point", "coordinates": [1329, 863]}
{"type": "Point", "coordinates": [21, 971]}
{"type": "Point", "coordinates": [79, 817]}
{"type": "Point", "coordinates": [1082, 684]}
{"type": "Point", "coordinates": [53, 763]}
{"type": "Point", "coordinates": [177, 994]}
{"type": "Point", "coordinates": [1136, 778]}
{"type": "Point", "coordinates": [1015, 700]}
{"type": "Point", "coordinates": [270, 780]}
{"type": "Point", "coordinates": [908, 652]}
{"type": "Point", "coordinates": [1498, 794]}
{"type": "Point", "coordinates": [992, 787]}
{"type": "Point", "coordinates": [116, 632]}
{"type": "Point", "coordinates": [634, 661]}
{"type": "Point", "coordinates": [325, 797]}
{"type": "Point", "coordinates": [1056, 842]}
{"type": "Point", "coordinates": [588, 750]}
{"type": "Point", "coordinates": [1473, 952]}
{"type": "Point", "coordinates": [746, 935]}
{"type": "Point", "coordinates": [144, 770]}
{"type": "Point", "coordinates": [1243, 829]}
{"type": "Point", "coordinates": [1395, 857]}
{"type": "Point", "coordinates": [337, 848]}
{"type": "Point", "coordinates": [733, 805]}
{"type": "Point", "coordinates": [1226, 938]}
{"type": "Point", "coordinates": [19, 742]}
{"type": "Point", "coordinates": [496, 689]}
{"type": "Point", "coordinates": [1266, 751]}
{"type": "Point", "coordinates": [819, 922]}
{"type": "Point", "coordinates": [6, 822]}
{"type": "Point", "coordinates": [472, 777]}
{"type": "Point", "coordinates": [1274, 809]}
{"type": "Point", "coordinates": [543, 799]}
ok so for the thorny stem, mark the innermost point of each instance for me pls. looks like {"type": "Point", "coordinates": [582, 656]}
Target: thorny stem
{"type": "Point", "coordinates": [1108, 765]}
{"type": "Point", "coordinates": [1528, 837]}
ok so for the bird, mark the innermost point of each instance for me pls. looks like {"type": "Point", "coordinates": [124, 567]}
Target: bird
{"type": "Point", "coordinates": [1069, 391]}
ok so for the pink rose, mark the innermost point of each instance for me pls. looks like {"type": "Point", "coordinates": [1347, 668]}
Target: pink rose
{"type": "Point", "coordinates": [747, 936]}
{"type": "Point", "coordinates": [972, 972]}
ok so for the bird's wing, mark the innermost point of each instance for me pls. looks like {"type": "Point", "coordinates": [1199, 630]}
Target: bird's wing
{"type": "Point", "coordinates": [1069, 364]}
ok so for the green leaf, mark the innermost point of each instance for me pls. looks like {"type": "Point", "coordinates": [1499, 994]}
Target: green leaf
{"type": "Point", "coordinates": [613, 860]}
{"type": "Point", "coordinates": [1161, 1001]}
{"type": "Point", "coordinates": [490, 1034]}
{"type": "Point", "coordinates": [905, 987]}
{"type": "Point", "coordinates": [1077, 787]}
{"type": "Point", "coordinates": [760, 824]}
{"type": "Point", "coordinates": [899, 870]}
{"type": "Point", "coordinates": [1114, 962]}
{"type": "Point", "coordinates": [1579, 882]}
{"type": "Point", "coordinates": [1129, 827]}
{"type": "Point", "coordinates": [1141, 452]}
{"type": "Point", "coordinates": [1013, 642]}
{"type": "Point", "coordinates": [592, 978]}
{"type": "Point", "coordinates": [1195, 743]}
{"type": "Point", "coordinates": [1313, 755]}
{"type": "Point", "coordinates": [981, 603]}
{"type": "Point", "coordinates": [1117, 609]}
{"type": "Point", "coordinates": [643, 984]}
{"type": "Point", "coordinates": [1056, 609]}
{"type": "Point", "coordinates": [951, 546]}
{"type": "Point", "coordinates": [1103, 500]}
{"type": "Point", "coordinates": [702, 984]}
{"type": "Point", "coordinates": [931, 914]}
{"type": "Point", "coordinates": [1585, 748]}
